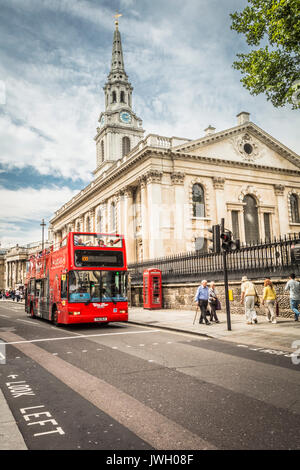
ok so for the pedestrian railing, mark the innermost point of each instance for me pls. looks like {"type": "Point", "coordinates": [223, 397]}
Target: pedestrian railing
{"type": "Point", "coordinates": [269, 258]}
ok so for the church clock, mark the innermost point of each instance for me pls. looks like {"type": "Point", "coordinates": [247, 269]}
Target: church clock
{"type": "Point", "coordinates": [125, 117]}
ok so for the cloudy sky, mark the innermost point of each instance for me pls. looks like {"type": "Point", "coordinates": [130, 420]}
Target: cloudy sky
{"type": "Point", "coordinates": [54, 59]}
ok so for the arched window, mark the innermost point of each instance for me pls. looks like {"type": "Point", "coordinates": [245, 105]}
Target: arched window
{"type": "Point", "coordinates": [294, 205]}
{"type": "Point", "coordinates": [114, 97]}
{"type": "Point", "coordinates": [125, 146]}
{"type": "Point", "coordinates": [198, 201]}
{"type": "Point", "coordinates": [251, 219]}
{"type": "Point", "coordinates": [122, 97]}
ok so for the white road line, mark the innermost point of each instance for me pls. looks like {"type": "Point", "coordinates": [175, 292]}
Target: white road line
{"type": "Point", "coordinates": [31, 322]}
{"type": "Point", "coordinates": [82, 336]}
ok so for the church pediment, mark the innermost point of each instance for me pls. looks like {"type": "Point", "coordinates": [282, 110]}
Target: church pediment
{"type": "Point", "coordinates": [244, 144]}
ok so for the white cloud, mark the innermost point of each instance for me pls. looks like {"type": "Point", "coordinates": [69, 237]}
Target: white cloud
{"type": "Point", "coordinates": [28, 204]}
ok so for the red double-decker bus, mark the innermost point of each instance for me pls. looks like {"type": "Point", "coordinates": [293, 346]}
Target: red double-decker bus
{"type": "Point", "coordinates": [82, 280]}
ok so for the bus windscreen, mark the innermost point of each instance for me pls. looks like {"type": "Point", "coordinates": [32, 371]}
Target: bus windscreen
{"type": "Point", "coordinates": [101, 259]}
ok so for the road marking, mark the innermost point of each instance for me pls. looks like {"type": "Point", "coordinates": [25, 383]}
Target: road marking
{"type": "Point", "coordinates": [82, 336]}
{"type": "Point", "coordinates": [31, 322]}
{"type": "Point", "coordinates": [121, 406]}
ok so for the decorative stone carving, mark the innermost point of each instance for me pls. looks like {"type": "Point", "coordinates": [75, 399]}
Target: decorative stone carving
{"type": "Point", "coordinates": [247, 147]}
{"type": "Point", "coordinates": [177, 177]}
{"type": "Point", "coordinates": [279, 189]}
{"type": "Point", "coordinates": [154, 176]}
{"type": "Point", "coordinates": [218, 182]}
{"type": "Point", "coordinates": [250, 190]}
{"type": "Point", "coordinates": [143, 181]}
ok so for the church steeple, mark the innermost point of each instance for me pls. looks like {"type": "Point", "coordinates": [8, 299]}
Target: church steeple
{"type": "Point", "coordinates": [118, 90]}
{"type": "Point", "coordinates": [120, 128]}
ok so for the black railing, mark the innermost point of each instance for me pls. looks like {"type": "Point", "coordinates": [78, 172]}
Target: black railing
{"type": "Point", "coordinates": [270, 258]}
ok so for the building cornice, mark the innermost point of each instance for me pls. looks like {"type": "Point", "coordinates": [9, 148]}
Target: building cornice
{"type": "Point", "coordinates": [246, 127]}
{"type": "Point", "coordinates": [137, 155]}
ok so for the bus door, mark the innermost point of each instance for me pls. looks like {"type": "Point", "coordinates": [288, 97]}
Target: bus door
{"type": "Point", "coordinates": [38, 297]}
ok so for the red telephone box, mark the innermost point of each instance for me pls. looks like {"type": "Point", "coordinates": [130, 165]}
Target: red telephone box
{"type": "Point", "coordinates": [152, 291]}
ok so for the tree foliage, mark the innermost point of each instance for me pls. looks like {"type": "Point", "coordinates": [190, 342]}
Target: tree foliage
{"type": "Point", "coordinates": [273, 69]}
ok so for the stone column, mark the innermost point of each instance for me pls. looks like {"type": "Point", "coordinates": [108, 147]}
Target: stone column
{"type": "Point", "coordinates": [282, 226]}
{"type": "Point", "coordinates": [128, 218]}
{"type": "Point", "coordinates": [218, 183]}
{"type": "Point", "coordinates": [154, 198]}
{"type": "Point", "coordinates": [144, 216]}
{"type": "Point", "coordinates": [178, 210]}
{"type": "Point", "coordinates": [119, 212]}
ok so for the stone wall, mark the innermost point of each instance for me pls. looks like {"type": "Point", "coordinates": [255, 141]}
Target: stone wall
{"type": "Point", "coordinates": [181, 296]}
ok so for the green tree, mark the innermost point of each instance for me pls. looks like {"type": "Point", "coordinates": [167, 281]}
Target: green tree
{"type": "Point", "coordinates": [275, 68]}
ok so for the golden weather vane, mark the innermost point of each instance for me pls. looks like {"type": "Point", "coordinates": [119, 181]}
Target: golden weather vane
{"type": "Point", "coordinates": [117, 16]}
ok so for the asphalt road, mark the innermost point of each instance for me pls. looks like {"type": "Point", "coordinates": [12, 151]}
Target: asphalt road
{"type": "Point", "coordinates": [129, 387]}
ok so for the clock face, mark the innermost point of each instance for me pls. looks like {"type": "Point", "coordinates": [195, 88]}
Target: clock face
{"type": "Point", "coordinates": [102, 121]}
{"type": "Point", "coordinates": [125, 117]}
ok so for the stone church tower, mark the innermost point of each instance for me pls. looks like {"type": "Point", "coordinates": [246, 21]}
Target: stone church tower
{"type": "Point", "coordinates": [120, 129]}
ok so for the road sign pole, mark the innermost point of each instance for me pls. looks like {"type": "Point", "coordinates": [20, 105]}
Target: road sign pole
{"type": "Point", "coordinates": [226, 281]}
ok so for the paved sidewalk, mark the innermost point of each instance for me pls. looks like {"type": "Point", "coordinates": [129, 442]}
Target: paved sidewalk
{"type": "Point", "coordinates": [279, 336]}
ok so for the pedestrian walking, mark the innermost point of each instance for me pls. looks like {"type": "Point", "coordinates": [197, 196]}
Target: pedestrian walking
{"type": "Point", "coordinates": [17, 294]}
{"type": "Point", "coordinates": [269, 300]}
{"type": "Point", "coordinates": [212, 301]}
{"type": "Point", "coordinates": [293, 287]}
{"type": "Point", "coordinates": [202, 299]}
{"type": "Point", "coordinates": [248, 298]}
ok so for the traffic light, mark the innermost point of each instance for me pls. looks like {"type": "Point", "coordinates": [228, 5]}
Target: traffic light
{"type": "Point", "coordinates": [228, 244]}
{"type": "Point", "coordinates": [295, 252]}
{"type": "Point", "coordinates": [226, 240]}
{"type": "Point", "coordinates": [215, 240]}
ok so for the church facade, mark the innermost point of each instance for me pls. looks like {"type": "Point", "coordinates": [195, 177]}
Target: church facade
{"type": "Point", "coordinates": [165, 193]}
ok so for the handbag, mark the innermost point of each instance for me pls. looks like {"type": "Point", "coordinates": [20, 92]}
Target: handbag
{"type": "Point", "coordinates": [218, 305]}
{"type": "Point", "coordinates": [256, 299]}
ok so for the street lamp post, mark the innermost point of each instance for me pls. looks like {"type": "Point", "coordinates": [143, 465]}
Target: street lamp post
{"type": "Point", "coordinates": [43, 225]}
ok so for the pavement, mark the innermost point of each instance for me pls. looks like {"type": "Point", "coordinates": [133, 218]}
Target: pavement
{"type": "Point", "coordinates": [270, 338]}
{"type": "Point", "coordinates": [279, 336]}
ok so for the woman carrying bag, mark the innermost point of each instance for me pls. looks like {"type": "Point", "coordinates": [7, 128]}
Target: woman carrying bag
{"type": "Point", "coordinates": [269, 298]}
{"type": "Point", "coordinates": [213, 302]}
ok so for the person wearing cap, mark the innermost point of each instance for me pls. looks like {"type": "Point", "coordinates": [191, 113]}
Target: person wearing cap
{"type": "Point", "coordinates": [248, 294]}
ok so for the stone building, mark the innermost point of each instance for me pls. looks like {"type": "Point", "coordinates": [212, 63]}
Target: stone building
{"type": "Point", "coordinates": [14, 264]}
{"type": "Point", "coordinates": [2, 269]}
{"type": "Point", "coordinates": [164, 193]}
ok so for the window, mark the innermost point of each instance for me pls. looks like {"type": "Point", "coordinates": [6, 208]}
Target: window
{"type": "Point", "coordinates": [114, 97]}
{"type": "Point", "coordinates": [201, 244]}
{"type": "Point", "coordinates": [122, 99]}
{"type": "Point", "coordinates": [267, 224]}
{"type": "Point", "coordinates": [235, 224]}
{"type": "Point", "coordinates": [198, 201]}
{"type": "Point", "coordinates": [125, 146]}
{"type": "Point", "coordinates": [251, 219]}
{"type": "Point", "coordinates": [294, 205]}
